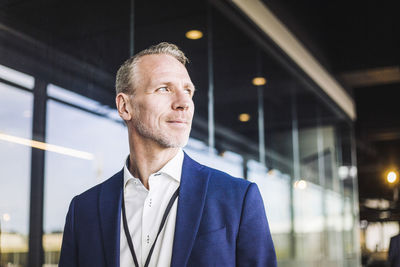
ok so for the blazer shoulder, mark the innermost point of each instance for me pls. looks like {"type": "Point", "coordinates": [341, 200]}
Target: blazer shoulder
{"type": "Point", "coordinates": [224, 177]}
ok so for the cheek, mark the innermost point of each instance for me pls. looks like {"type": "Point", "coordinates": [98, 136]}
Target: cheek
{"type": "Point", "coordinates": [192, 108]}
{"type": "Point", "coordinates": [151, 113]}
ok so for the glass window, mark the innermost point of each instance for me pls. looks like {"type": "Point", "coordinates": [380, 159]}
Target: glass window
{"type": "Point", "coordinates": [228, 162]}
{"type": "Point", "coordinates": [17, 77]}
{"type": "Point", "coordinates": [334, 224]}
{"type": "Point", "coordinates": [348, 183]}
{"type": "Point", "coordinates": [308, 222]}
{"type": "Point", "coordinates": [15, 158]}
{"type": "Point", "coordinates": [99, 149]}
{"type": "Point", "coordinates": [308, 149]}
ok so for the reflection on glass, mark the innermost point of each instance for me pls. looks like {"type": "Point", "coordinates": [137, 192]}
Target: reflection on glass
{"type": "Point", "coordinates": [15, 120]}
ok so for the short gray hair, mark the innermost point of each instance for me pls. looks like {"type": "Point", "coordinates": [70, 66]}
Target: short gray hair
{"type": "Point", "coordinates": [125, 79]}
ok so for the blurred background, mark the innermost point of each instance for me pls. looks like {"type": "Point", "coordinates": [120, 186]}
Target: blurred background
{"type": "Point", "coordinates": [296, 96]}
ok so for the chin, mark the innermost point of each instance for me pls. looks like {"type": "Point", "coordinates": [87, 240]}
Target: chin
{"type": "Point", "coordinates": [172, 142]}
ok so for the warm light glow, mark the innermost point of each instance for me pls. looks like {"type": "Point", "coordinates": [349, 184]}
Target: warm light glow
{"type": "Point", "coordinates": [392, 177]}
{"type": "Point", "coordinates": [244, 117]}
{"type": "Point", "coordinates": [44, 146]}
{"type": "Point", "coordinates": [300, 184]}
{"type": "Point", "coordinates": [6, 217]}
{"type": "Point", "coordinates": [259, 81]}
{"type": "Point", "coordinates": [194, 34]}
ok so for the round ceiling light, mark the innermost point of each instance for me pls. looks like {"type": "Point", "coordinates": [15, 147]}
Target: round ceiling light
{"type": "Point", "coordinates": [257, 81]}
{"type": "Point", "coordinates": [194, 34]}
{"type": "Point", "coordinates": [244, 117]}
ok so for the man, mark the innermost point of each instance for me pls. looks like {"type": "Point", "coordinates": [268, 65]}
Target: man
{"type": "Point", "coordinates": [163, 208]}
{"type": "Point", "coordinates": [394, 251]}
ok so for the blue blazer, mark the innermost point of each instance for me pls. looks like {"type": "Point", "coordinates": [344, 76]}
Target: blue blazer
{"type": "Point", "coordinates": [220, 221]}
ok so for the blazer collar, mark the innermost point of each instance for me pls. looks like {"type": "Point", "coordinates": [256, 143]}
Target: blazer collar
{"type": "Point", "coordinates": [110, 200]}
{"type": "Point", "coordinates": [192, 195]}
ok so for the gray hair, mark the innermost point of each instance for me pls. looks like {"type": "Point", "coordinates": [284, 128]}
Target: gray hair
{"type": "Point", "coordinates": [125, 79]}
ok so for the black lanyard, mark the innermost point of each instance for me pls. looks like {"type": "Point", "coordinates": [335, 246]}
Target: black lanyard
{"type": "Point", "coordinates": [128, 235]}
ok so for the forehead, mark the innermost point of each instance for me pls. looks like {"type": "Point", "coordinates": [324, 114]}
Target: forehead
{"type": "Point", "coordinates": [159, 67]}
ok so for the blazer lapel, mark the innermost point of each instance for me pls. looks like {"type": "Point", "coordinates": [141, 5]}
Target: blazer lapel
{"type": "Point", "coordinates": [192, 195]}
{"type": "Point", "coordinates": [110, 209]}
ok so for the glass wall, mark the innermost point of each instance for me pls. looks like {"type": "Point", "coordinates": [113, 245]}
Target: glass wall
{"type": "Point", "coordinates": [99, 145]}
{"type": "Point", "coordinates": [16, 102]}
{"type": "Point", "coordinates": [267, 124]}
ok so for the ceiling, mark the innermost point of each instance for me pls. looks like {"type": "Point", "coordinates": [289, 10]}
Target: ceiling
{"type": "Point", "coordinates": [354, 40]}
{"type": "Point", "coordinates": [358, 41]}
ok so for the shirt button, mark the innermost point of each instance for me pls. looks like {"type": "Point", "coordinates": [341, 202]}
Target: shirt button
{"type": "Point", "coordinates": [148, 239]}
{"type": "Point", "coordinates": [150, 201]}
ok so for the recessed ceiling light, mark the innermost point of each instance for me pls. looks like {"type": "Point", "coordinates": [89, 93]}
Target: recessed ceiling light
{"type": "Point", "coordinates": [244, 117]}
{"type": "Point", "coordinates": [259, 81]}
{"type": "Point", "coordinates": [194, 34]}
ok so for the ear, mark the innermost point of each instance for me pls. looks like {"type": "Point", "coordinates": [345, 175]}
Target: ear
{"type": "Point", "coordinates": [122, 101]}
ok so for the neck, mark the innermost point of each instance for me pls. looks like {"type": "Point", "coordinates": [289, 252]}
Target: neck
{"type": "Point", "coordinates": [148, 157]}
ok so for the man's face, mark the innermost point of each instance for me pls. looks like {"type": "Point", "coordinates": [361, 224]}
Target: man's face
{"type": "Point", "coordinates": [162, 103]}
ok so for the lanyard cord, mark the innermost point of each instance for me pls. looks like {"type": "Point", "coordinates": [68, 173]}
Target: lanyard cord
{"type": "Point", "coordinates": [128, 235]}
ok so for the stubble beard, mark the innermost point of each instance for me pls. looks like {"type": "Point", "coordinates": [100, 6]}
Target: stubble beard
{"type": "Point", "coordinates": [162, 138]}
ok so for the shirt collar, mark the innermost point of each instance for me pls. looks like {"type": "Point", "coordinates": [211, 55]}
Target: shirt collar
{"type": "Point", "coordinates": [173, 168]}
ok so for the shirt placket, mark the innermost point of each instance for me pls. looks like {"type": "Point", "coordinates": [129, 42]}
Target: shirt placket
{"type": "Point", "coordinates": [149, 217]}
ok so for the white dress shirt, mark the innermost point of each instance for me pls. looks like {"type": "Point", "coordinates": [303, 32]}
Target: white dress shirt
{"type": "Point", "coordinates": [144, 212]}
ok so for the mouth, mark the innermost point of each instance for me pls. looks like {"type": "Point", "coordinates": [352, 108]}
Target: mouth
{"type": "Point", "coordinates": [178, 123]}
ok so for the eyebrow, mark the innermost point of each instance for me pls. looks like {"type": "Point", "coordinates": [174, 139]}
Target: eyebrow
{"type": "Point", "coordinates": [186, 85]}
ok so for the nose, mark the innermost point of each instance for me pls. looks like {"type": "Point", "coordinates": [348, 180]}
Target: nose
{"type": "Point", "coordinates": [182, 100]}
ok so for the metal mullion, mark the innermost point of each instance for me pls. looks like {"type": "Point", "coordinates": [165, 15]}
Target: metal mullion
{"type": "Point", "coordinates": [7, 82]}
{"type": "Point", "coordinates": [211, 124]}
{"type": "Point", "coordinates": [35, 254]}
{"type": "Point", "coordinates": [132, 29]}
{"type": "Point", "coordinates": [296, 171]}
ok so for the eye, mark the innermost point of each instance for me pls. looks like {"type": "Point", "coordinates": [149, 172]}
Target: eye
{"type": "Point", "coordinates": [189, 91]}
{"type": "Point", "coordinates": [163, 89]}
